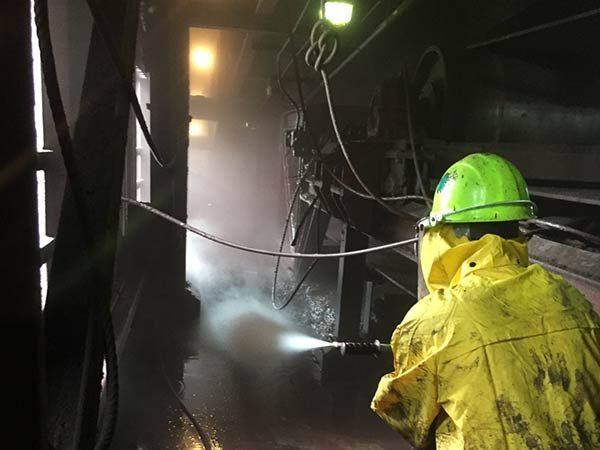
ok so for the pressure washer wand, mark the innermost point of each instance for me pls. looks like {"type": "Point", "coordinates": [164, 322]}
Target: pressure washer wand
{"type": "Point", "coordinates": [362, 348]}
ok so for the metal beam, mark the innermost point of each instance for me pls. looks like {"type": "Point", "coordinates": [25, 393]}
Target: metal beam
{"type": "Point", "coordinates": [227, 18]}
{"type": "Point", "coordinates": [169, 105]}
{"type": "Point", "coordinates": [550, 162]}
{"type": "Point", "coordinates": [265, 7]}
{"type": "Point", "coordinates": [80, 286]}
{"type": "Point", "coordinates": [351, 276]}
{"type": "Point", "coordinates": [21, 308]}
{"type": "Point", "coordinates": [586, 196]}
{"type": "Point", "coordinates": [536, 29]}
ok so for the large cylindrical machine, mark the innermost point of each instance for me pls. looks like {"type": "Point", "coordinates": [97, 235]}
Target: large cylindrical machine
{"type": "Point", "coordinates": [483, 97]}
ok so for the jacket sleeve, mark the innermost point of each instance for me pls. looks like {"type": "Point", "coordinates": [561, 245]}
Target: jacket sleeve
{"type": "Point", "coordinates": [407, 398]}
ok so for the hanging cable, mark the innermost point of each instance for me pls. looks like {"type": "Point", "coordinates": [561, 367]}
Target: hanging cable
{"type": "Point", "coordinates": [294, 62]}
{"type": "Point", "coordinates": [287, 94]}
{"type": "Point", "coordinates": [363, 195]}
{"type": "Point", "coordinates": [48, 64]}
{"type": "Point", "coordinates": [245, 248]}
{"type": "Point", "coordinates": [319, 54]}
{"type": "Point", "coordinates": [347, 156]}
{"type": "Point", "coordinates": [286, 225]}
{"type": "Point", "coordinates": [297, 288]}
{"type": "Point", "coordinates": [412, 140]}
{"type": "Point", "coordinates": [315, 212]}
{"type": "Point", "coordinates": [300, 110]}
{"type": "Point", "coordinates": [111, 47]}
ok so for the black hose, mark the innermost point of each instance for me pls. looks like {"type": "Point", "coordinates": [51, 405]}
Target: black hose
{"type": "Point", "coordinates": [286, 225]}
{"type": "Point", "coordinates": [115, 57]}
{"type": "Point", "coordinates": [287, 94]}
{"type": "Point", "coordinates": [206, 442]}
{"type": "Point", "coordinates": [48, 64]}
{"type": "Point", "coordinates": [298, 285]}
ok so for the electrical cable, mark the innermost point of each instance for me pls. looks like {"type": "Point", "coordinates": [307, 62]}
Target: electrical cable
{"type": "Point", "coordinates": [345, 152]}
{"type": "Point", "coordinates": [282, 242]}
{"type": "Point", "coordinates": [363, 195]}
{"type": "Point", "coordinates": [412, 140]}
{"type": "Point", "coordinates": [304, 115]}
{"type": "Point", "coordinates": [315, 213]}
{"type": "Point", "coordinates": [295, 62]}
{"type": "Point", "coordinates": [320, 53]}
{"type": "Point", "coordinates": [287, 94]}
{"type": "Point", "coordinates": [286, 303]}
{"type": "Point", "coordinates": [307, 40]}
{"type": "Point", "coordinates": [48, 64]}
{"type": "Point", "coordinates": [245, 248]}
{"type": "Point", "coordinates": [206, 442]}
{"type": "Point", "coordinates": [286, 225]}
{"type": "Point", "coordinates": [115, 57]}
{"type": "Point", "coordinates": [280, 82]}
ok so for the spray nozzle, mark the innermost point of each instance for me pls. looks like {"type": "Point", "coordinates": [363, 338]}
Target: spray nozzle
{"type": "Point", "coordinates": [362, 348]}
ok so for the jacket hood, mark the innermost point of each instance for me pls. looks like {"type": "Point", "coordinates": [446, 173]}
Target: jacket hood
{"type": "Point", "coordinates": [447, 259]}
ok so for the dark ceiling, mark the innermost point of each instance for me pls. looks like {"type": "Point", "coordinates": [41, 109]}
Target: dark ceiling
{"type": "Point", "coordinates": [254, 31]}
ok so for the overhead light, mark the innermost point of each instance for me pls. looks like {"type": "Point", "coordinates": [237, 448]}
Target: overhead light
{"type": "Point", "coordinates": [198, 128]}
{"type": "Point", "coordinates": [202, 58]}
{"type": "Point", "coordinates": [202, 129]}
{"type": "Point", "coordinates": [338, 13]}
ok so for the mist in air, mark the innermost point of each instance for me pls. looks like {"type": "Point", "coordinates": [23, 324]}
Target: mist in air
{"type": "Point", "coordinates": [235, 191]}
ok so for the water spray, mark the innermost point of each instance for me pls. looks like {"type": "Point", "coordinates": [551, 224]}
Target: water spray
{"type": "Point", "coordinates": [300, 342]}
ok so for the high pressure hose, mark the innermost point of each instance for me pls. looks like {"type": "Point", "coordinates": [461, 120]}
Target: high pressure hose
{"type": "Point", "coordinates": [260, 251]}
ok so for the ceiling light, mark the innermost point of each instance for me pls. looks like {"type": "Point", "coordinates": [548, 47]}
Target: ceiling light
{"type": "Point", "coordinates": [198, 128]}
{"type": "Point", "coordinates": [338, 13]}
{"type": "Point", "coordinates": [202, 58]}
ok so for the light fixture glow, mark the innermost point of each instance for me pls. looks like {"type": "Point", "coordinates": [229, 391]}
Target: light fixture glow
{"type": "Point", "coordinates": [338, 13]}
{"type": "Point", "coordinates": [198, 128]}
{"type": "Point", "coordinates": [203, 59]}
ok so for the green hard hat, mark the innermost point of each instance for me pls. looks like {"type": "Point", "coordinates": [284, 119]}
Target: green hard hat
{"type": "Point", "coordinates": [481, 187]}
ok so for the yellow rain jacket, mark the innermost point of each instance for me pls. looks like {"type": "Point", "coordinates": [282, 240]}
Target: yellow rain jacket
{"type": "Point", "coordinates": [500, 355]}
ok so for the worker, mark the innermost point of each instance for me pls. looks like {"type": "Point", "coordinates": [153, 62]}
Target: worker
{"type": "Point", "coordinates": [501, 354]}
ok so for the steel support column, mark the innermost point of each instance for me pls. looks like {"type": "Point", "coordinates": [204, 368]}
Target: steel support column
{"type": "Point", "coordinates": [21, 309]}
{"type": "Point", "coordinates": [75, 296]}
{"type": "Point", "coordinates": [169, 97]}
{"type": "Point", "coordinates": [351, 277]}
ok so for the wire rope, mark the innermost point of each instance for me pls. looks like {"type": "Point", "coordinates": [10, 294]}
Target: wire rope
{"type": "Point", "coordinates": [259, 251]}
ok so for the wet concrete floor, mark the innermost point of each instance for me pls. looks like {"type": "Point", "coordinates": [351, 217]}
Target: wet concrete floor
{"type": "Point", "coordinates": [244, 399]}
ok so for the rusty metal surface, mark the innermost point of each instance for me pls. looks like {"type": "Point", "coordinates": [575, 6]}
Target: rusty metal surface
{"type": "Point", "coordinates": [536, 161]}
{"type": "Point", "coordinates": [578, 195]}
